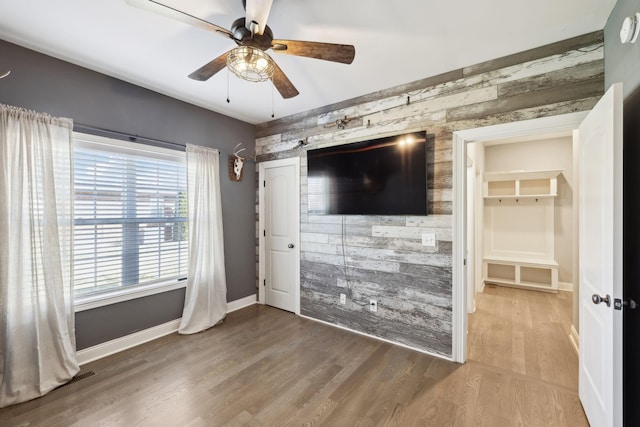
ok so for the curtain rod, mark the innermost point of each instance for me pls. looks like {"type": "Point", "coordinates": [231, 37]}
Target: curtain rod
{"type": "Point", "coordinates": [94, 130]}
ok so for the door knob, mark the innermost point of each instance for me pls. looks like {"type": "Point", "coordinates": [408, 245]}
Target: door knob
{"type": "Point", "coordinates": [597, 299]}
{"type": "Point", "coordinates": [290, 245]}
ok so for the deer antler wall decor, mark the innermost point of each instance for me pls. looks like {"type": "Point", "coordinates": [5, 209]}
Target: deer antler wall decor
{"type": "Point", "coordinates": [236, 163]}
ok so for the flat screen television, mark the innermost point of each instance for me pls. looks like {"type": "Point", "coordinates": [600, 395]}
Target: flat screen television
{"type": "Point", "coordinates": [384, 176]}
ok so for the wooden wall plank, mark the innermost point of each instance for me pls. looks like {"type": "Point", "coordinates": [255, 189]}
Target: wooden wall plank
{"type": "Point", "coordinates": [383, 257]}
{"type": "Point", "coordinates": [578, 42]}
{"type": "Point", "coordinates": [410, 232]}
{"type": "Point", "coordinates": [554, 79]}
{"type": "Point", "coordinates": [537, 98]}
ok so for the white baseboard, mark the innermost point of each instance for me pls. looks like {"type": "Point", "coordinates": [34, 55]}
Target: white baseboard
{"type": "Point", "coordinates": [241, 303]}
{"type": "Point", "coordinates": [565, 286]}
{"type": "Point", "coordinates": [575, 340]}
{"type": "Point", "coordinates": [124, 343]}
{"type": "Point", "coordinates": [439, 356]}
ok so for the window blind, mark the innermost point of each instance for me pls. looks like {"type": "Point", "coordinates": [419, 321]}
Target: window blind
{"type": "Point", "coordinates": [130, 215]}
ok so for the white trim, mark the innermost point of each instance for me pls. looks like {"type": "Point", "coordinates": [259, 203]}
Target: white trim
{"type": "Point", "coordinates": [121, 295]}
{"type": "Point", "coordinates": [117, 345]}
{"type": "Point", "coordinates": [575, 273]}
{"type": "Point", "coordinates": [261, 248]}
{"type": "Point", "coordinates": [575, 340]}
{"type": "Point", "coordinates": [291, 161]}
{"type": "Point", "coordinates": [479, 229]}
{"type": "Point", "coordinates": [565, 286]}
{"type": "Point", "coordinates": [241, 303]}
{"type": "Point", "coordinates": [545, 125]}
{"type": "Point", "coordinates": [440, 356]}
{"type": "Point", "coordinates": [459, 282]}
{"type": "Point", "coordinates": [124, 343]}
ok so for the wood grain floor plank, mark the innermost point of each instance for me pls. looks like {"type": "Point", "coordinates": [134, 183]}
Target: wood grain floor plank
{"type": "Point", "coordinates": [265, 367]}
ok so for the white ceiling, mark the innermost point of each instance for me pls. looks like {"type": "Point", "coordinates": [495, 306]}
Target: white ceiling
{"type": "Point", "coordinates": [396, 42]}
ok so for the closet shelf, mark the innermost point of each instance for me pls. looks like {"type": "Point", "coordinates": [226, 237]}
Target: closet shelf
{"type": "Point", "coordinates": [527, 262]}
{"type": "Point", "coordinates": [521, 184]}
{"type": "Point", "coordinates": [522, 196]}
{"type": "Point", "coordinates": [521, 273]}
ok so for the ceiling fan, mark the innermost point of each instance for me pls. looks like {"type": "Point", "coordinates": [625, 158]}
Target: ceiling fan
{"type": "Point", "coordinates": [253, 37]}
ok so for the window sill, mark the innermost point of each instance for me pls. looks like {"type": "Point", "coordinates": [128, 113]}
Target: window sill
{"type": "Point", "coordinates": [95, 301]}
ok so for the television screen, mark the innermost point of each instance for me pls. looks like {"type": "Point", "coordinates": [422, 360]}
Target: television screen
{"type": "Point", "coordinates": [385, 176]}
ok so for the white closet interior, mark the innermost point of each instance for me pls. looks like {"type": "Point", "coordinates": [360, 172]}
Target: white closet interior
{"type": "Point", "coordinates": [524, 217]}
{"type": "Point", "coordinates": [519, 229]}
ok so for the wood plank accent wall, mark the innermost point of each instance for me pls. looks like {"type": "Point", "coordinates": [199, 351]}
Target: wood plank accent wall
{"type": "Point", "coordinates": [381, 257]}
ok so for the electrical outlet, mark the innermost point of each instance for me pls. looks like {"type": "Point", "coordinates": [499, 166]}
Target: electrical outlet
{"type": "Point", "coordinates": [428, 239]}
{"type": "Point", "coordinates": [343, 298]}
{"type": "Point", "coordinates": [373, 305]}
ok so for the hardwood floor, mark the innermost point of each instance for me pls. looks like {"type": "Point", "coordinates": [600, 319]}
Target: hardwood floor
{"type": "Point", "coordinates": [265, 367]}
{"type": "Point", "coordinates": [525, 332]}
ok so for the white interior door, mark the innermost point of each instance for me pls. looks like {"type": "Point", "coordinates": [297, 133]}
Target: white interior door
{"type": "Point", "coordinates": [600, 225]}
{"type": "Point", "coordinates": [280, 232]}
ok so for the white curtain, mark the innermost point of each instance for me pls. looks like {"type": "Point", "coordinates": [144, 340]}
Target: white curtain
{"type": "Point", "coordinates": [37, 331]}
{"type": "Point", "coordinates": [206, 297]}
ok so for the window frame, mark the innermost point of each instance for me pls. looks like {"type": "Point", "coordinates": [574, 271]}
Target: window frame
{"type": "Point", "coordinates": [122, 294]}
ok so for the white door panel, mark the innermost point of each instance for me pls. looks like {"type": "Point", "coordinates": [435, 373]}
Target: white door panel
{"type": "Point", "coordinates": [600, 236]}
{"type": "Point", "coordinates": [280, 232]}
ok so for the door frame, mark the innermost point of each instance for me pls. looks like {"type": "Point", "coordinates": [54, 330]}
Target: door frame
{"type": "Point", "coordinates": [471, 236]}
{"type": "Point", "coordinates": [262, 166]}
{"type": "Point", "coordinates": [544, 125]}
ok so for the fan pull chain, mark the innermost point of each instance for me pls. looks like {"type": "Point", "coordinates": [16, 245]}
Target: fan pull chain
{"type": "Point", "coordinates": [273, 114]}
{"type": "Point", "coordinates": [228, 86]}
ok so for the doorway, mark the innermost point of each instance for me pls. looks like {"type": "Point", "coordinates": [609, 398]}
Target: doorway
{"type": "Point", "coordinates": [530, 128]}
{"type": "Point", "coordinates": [523, 316]}
{"type": "Point", "coordinates": [600, 272]}
{"type": "Point", "coordinates": [279, 234]}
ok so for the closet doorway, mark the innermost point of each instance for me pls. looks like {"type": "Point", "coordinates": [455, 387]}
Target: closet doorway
{"type": "Point", "coordinates": [554, 126]}
{"type": "Point", "coordinates": [523, 222]}
{"type": "Point", "coordinates": [599, 145]}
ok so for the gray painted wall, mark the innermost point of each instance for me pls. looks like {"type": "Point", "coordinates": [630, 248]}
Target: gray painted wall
{"type": "Point", "coordinates": [622, 62]}
{"type": "Point", "coordinates": [42, 83]}
{"type": "Point", "coordinates": [113, 321]}
{"type": "Point", "coordinates": [384, 256]}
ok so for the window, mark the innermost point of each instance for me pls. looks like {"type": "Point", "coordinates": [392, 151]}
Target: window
{"type": "Point", "coordinates": [319, 194]}
{"type": "Point", "coordinates": [130, 216]}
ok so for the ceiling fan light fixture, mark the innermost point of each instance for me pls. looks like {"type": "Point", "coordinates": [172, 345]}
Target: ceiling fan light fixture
{"type": "Point", "coordinates": [251, 64]}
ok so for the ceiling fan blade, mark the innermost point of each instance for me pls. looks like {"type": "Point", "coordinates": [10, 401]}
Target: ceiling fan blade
{"type": "Point", "coordinates": [178, 15]}
{"type": "Point", "coordinates": [283, 84]}
{"type": "Point", "coordinates": [209, 69]}
{"type": "Point", "coordinates": [343, 53]}
{"type": "Point", "coordinates": [257, 11]}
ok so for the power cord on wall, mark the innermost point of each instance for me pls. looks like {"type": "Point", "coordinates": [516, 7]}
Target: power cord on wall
{"type": "Point", "coordinates": [344, 258]}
